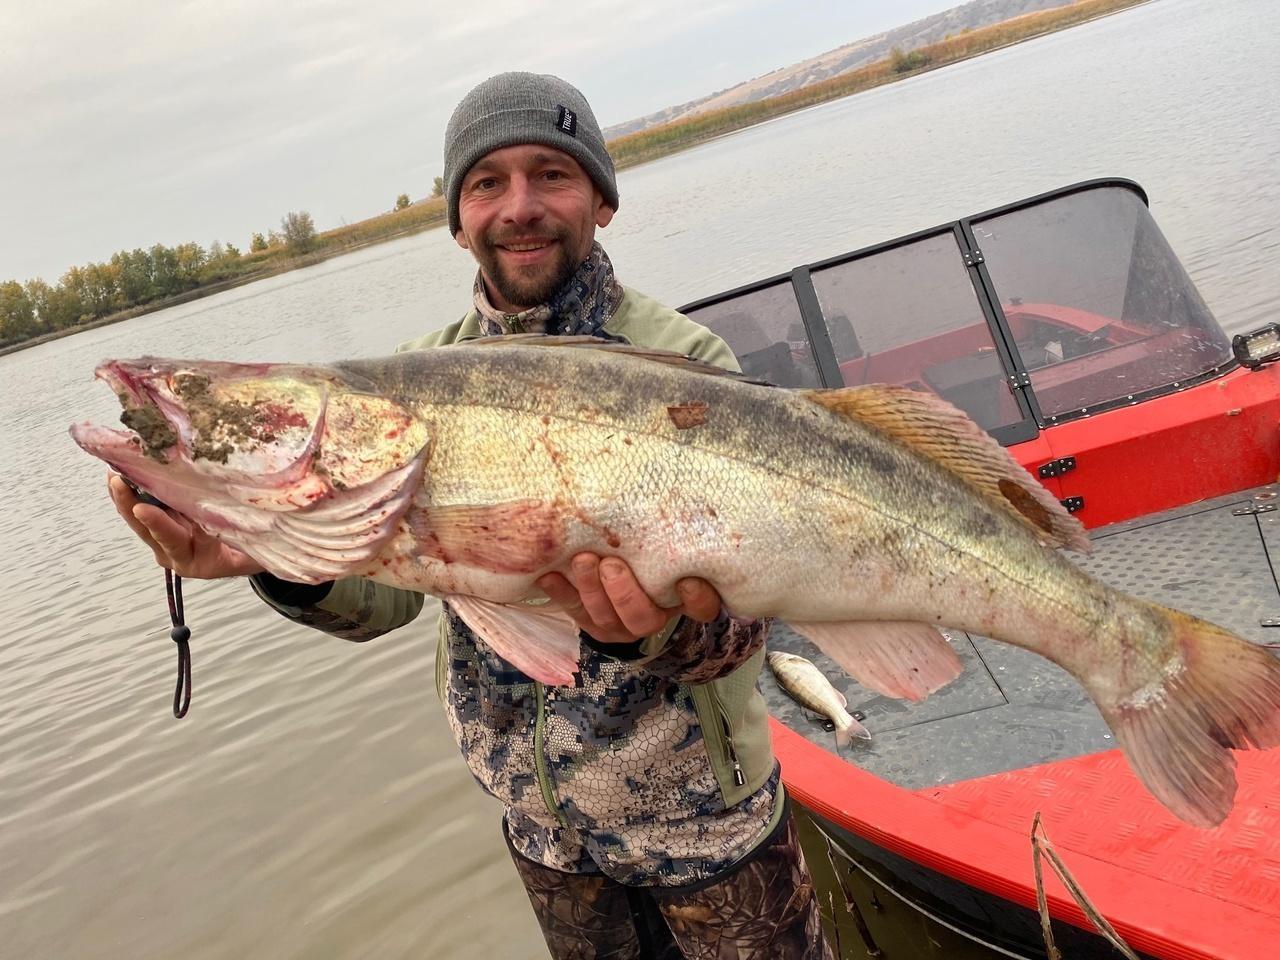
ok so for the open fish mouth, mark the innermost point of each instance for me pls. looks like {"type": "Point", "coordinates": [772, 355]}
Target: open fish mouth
{"type": "Point", "coordinates": [156, 424]}
{"type": "Point", "coordinates": [207, 417]}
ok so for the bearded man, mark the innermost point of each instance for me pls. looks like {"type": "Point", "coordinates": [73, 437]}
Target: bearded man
{"type": "Point", "coordinates": [643, 805]}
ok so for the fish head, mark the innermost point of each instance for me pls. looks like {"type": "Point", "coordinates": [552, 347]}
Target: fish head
{"type": "Point", "coordinates": [778, 659]}
{"type": "Point", "coordinates": [254, 453]}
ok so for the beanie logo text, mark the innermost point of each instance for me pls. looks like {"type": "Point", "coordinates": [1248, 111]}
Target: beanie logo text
{"type": "Point", "coordinates": [568, 121]}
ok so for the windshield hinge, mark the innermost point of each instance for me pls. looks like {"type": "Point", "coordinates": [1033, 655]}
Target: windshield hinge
{"type": "Point", "coordinates": [1073, 504]}
{"type": "Point", "coordinates": [1056, 468]}
{"type": "Point", "coordinates": [974, 257]}
{"type": "Point", "coordinates": [1019, 380]}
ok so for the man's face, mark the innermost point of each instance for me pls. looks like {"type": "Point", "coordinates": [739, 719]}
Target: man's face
{"type": "Point", "coordinates": [529, 215]}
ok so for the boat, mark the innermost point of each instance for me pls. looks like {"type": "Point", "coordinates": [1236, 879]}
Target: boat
{"type": "Point", "coordinates": [1065, 326]}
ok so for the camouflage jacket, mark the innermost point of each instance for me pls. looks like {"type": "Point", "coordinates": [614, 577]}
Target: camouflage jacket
{"type": "Point", "coordinates": [655, 766]}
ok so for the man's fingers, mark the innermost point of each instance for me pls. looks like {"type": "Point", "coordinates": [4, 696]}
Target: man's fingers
{"type": "Point", "coordinates": [585, 570]}
{"type": "Point", "coordinates": [701, 601]}
{"type": "Point", "coordinates": [562, 594]}
{"type": "Point", "coordinates": [640, 615]}
{"type": "Point", "coordinates": [125, 500]}
{"type": "Point", "coordinates": [173, 536]}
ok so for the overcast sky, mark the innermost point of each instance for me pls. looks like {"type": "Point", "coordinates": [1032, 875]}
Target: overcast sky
{"type": "Point", "coordinates": [127, 124]}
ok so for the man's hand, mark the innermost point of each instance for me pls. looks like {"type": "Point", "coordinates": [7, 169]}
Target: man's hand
{"type": "Point", "coordinates": [606, 601]}
{"type": "Point", "coordinates": [177, 542]}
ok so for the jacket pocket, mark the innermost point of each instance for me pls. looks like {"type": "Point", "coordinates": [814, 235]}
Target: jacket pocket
{"type": "Point", "coordinates": [735, 729]}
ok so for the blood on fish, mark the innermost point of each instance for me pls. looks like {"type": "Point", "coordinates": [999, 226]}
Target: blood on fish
{"type": "Point", "coordinates": [687, 415]}
{"type": "Point", "coordinates": [274, 417]}
{"type": "Point", "coordinates": [517, 537]}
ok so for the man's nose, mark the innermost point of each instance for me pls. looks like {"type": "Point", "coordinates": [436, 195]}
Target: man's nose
{"type": "Point", "coordinates": [523, 203]}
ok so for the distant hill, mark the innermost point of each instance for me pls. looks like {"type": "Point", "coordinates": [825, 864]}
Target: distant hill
{"type": "Point", "coordinates": [978, 13]}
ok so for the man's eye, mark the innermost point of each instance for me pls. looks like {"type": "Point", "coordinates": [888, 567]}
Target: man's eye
{"type": "Point", "coordinates": [553, 175]}
{"type": "Point", "coordinates": [488, 183]}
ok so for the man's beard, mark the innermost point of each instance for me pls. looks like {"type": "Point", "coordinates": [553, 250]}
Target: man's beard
{"type": "Point", "coordinates": [538, 285]}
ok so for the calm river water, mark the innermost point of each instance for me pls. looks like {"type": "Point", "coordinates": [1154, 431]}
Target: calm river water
{"type": "Point", "coordinates": [312, 804]}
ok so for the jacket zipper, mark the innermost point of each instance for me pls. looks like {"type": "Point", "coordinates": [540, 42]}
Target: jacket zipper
{"type": "Point", "coordinates": [540, 760]}
{"type": "Point", "coordinates": [738, 777]}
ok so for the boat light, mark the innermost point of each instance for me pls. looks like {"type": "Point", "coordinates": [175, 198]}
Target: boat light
{"type": "Point", "coordinates": [1259, 347]}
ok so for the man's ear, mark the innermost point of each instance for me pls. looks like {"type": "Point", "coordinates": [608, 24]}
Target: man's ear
{"type": "Point", "coordinates": [462, 240]}
{"type": "Point", "coordinates": [604, 212]}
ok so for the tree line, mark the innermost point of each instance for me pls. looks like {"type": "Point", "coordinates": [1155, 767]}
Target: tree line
{"type": "Point", "coordinates": [134, 278]}
{"type": "Point", "coordinates": [136, 281]}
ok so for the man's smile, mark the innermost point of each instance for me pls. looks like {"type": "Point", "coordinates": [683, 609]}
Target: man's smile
{"type": "Point", "coordinates": [526, 252]}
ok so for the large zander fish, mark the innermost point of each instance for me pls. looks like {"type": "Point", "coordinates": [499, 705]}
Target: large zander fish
{"type": "Point", "coordinates": [862, 517]}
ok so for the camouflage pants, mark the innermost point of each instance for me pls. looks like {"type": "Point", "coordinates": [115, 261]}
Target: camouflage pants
{"type": "Point", "coordinates": [763, 909]}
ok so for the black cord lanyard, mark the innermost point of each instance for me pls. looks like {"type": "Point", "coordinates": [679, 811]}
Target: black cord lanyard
{"type": "Point", "coordinates": [180, 634]}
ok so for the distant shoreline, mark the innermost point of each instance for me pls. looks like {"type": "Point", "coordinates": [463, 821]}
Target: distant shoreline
{"type": "Point", "coordinates": [209, 289]}
{"type": "Point", "coordinates": [645, 146]}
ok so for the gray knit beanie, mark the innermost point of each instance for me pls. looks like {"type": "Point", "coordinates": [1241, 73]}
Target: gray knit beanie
{"type": "Point", "coordinates": [515, 108]}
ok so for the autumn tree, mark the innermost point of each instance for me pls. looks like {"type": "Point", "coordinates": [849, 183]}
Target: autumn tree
{"type": "Point", "coordinates": [41, 296]}
{"type": "Point", "coordinates": [257, 242]}
{"type": "Point", "coordinates": [437, 188]}
{"type": "Point", "coordinates": [190, 259]}
{"type": "Point", "coordinates": [902, 62]}
{"type": "Point", "coordinates": [299, 231]}
{"type": "Point", "coordinates": [402, 201]}
{"type": "Point", "coordinates": [17, 315]}
{"type": "Point", "coordinates": [65, 309]}
{"type": "Point", "coordinates": [135, 276]}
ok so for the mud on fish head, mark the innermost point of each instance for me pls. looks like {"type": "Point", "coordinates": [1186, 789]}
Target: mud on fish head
{"type": "Point", "coordinates": [301, 469]}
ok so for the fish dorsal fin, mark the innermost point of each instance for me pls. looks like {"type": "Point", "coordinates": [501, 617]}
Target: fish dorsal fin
{"type": "Point", "coordinates": [937, 430]}
{"type": "Point", "coordinates": [669, 357]}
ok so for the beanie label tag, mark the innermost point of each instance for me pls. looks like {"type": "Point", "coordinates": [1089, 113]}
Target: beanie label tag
{"type": "Point", "coordinates": [568, 122]}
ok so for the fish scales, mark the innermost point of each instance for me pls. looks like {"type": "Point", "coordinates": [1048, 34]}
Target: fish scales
{"type": "Point", "coordinates": [774, 468]}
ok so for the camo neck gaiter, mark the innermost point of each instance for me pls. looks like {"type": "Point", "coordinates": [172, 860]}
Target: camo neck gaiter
{"type": "Point", "coordinates": [581, 307]}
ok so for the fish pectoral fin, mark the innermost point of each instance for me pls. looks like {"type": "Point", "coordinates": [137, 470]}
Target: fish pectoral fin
{"type": "Point", "coordinates": [935, 429]}
{"type": "Point", "coordinates": [898, 659]}
{"type": "Point", "coordinates": [539, 641]}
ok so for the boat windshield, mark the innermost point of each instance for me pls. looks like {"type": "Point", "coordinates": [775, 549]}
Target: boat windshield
{"type": "Point", "coordinates": [909, 315]}
{"type": "Point", "coordinates": [1097, 303]}
{"type": "Point", "coordinates": [1027, 315]}
{"type": "Point", "coordinates": [764, 329]}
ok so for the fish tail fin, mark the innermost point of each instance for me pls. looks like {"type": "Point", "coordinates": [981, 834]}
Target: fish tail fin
{"type": "Point", "coordinates": [848, 728]}
{"type": "Point", "coordinates": [1217, 693]}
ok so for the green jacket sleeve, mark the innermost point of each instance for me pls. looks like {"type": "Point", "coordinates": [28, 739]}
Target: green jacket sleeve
{"type": "Point", "coordinates": [352, 608]}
